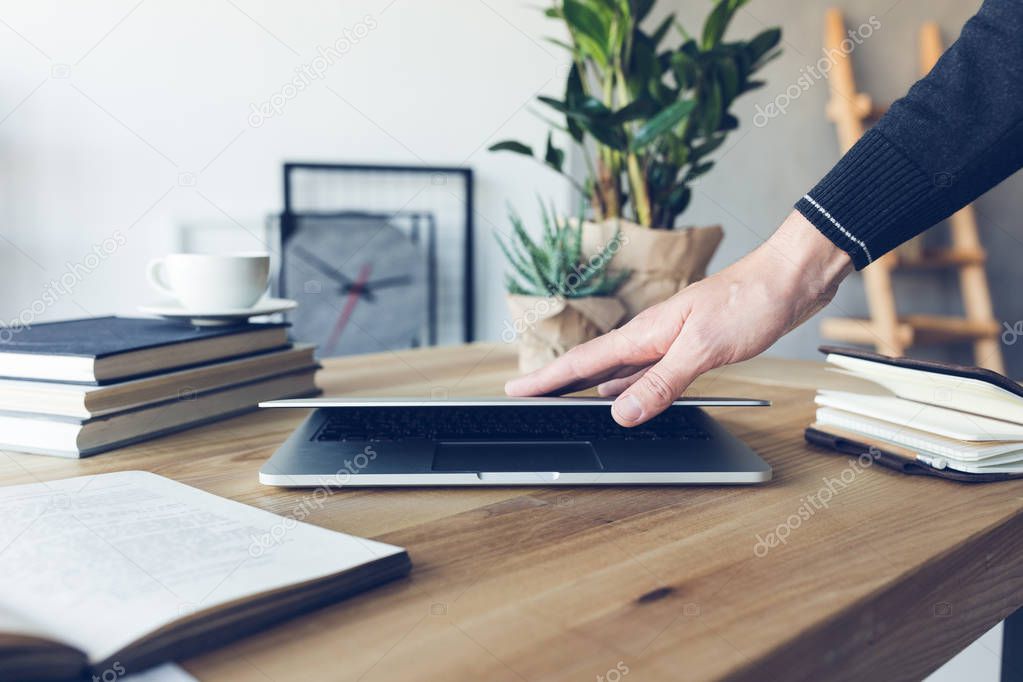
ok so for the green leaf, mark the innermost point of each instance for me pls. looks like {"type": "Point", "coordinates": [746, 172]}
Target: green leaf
{"type": "Point", "coordinates": [546, 218]}
{"type": "Point", "coordinates": [513, 259]}
{"type": "Point", "coordinates": [728, 122]}
{"type": "Point", "coordinates": [553, 264]}
{"type": "Point", "coordinates": [662, 30]}
{"type": "Point", "coordinates": [763, 43]}
{"type": "Point", "coordinates": [643, 107]}
{"type": "Point", "coordinates": [686, 70]}
{"type": "Point", "coordinates": [663, 122]}
{"type": "Point", "coordinates": [708, 146]}
{"type": "Point", "coordinates": [718, 20]}
{"type": "Point", "coordinates": [753, 85]}
{"type": "Point", "coordinates": [574, 94]}
{"type": "Point", "coordinates": [714, 26]}
{"type": "Point", "coordinates": [698, 170]}
{"type": "Point", "coordinates": [555, 104]}
{"type": "Point", "coordinates": [512, 146]}
{"type": "Point", "coordinates": [679, 198]}
{"type": "Point", "coordinates": [712, 108]}
{"type": "Point", "coordinates": [593, 108]}
{"type": "Point", "coordinates": [644, 71]}
{"type": "Point", "coordinates": [561, 43]}
{"type": "Point", "coordinates": [554, 157]}
{"type": "Point", "coordinates": [641, 8]}
{"type": "Point", "coordinates": [728, 77]}
{"type": "Point", "coordinates": [609, 135]}
{"type": "Point", "coordinates": [589, 29]}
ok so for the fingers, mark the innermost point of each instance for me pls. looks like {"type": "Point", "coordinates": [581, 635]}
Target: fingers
{"type": "Point", "coordinates": [584, 366]}
{"type": "Point", "coordinates": [617, 386]}
{"type": "Point", "coordinates": [659, 386]}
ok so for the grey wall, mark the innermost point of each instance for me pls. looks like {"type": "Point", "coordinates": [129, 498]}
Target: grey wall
{"type": "Point", "coordinates": [762, 171]}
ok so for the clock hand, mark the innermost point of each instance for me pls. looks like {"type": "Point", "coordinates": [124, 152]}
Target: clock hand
{"type": "Point", "coordinates": [363, 289]}
{"type": "Point", "coordinates": [385, 282]}
{"type": "Point", "coordinates": [323, 266]}
{"type": "Point", "coordinates": [369, 288]}
{"type": "Point", "coordinates": [346, 312]}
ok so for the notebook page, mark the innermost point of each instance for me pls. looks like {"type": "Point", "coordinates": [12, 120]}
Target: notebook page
{"type": "Point", "coordinates": [923, 416]}
{"type": "Point", "coordinates": [99, 561]}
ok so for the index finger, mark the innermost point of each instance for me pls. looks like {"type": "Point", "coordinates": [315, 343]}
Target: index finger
{"type": "Point", "coordinates": [582, 366]}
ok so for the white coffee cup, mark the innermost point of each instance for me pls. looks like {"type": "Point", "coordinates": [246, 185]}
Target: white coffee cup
{"type": "Point", "coordinates": [212, 282]}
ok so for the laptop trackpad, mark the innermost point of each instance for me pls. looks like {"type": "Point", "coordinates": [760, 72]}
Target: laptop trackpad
{"type": "Point", "coordinates": [483, 456]}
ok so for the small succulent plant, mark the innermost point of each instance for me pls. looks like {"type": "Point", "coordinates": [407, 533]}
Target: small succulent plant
{"type": "Point", "coordinates": [554, 265]}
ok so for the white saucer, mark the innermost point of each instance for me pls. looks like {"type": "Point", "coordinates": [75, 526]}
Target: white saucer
{"type": "Point", "coordinates": [214, 317]}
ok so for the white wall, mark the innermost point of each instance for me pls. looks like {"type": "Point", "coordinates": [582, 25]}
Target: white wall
{"type": "Point", "coordinates": [111, 113]}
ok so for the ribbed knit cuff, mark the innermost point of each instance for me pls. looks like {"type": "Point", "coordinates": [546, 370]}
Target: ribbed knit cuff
{"type": "Point", "coordinates": [865, 204]}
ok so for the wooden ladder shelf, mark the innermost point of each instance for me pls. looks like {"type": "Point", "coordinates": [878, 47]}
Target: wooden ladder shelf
{"type": "Point", "coordinates": [890, 334]}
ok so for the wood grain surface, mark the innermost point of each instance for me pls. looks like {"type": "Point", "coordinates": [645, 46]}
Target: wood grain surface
{"type": "Point", "coordinates": [884, 576]}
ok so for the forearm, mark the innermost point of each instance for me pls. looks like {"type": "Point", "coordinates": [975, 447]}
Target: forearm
{"type": "Point", "coordinates": [957, 133]}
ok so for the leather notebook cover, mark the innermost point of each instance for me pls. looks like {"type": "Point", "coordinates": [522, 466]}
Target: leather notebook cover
{"type": "Point", "coordinates": [948, 368]}
{"type": "Point", "coordinates": [891, 460]}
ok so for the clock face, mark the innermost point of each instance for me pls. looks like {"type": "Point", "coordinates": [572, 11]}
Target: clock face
{"type": "Point", "coordinates": [361, 284]}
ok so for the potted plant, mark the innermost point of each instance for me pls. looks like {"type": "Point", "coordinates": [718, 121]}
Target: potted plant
{"type": "Point", "coordinates": [558, 298]}
{"type": "Point", "coordinates": [647, 119]}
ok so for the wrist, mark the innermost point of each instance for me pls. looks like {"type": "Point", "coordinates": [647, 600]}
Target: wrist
{"type": "Point", "coordinates": [808, 267]}
{"type": "Point", "coordinates": [810, 255]}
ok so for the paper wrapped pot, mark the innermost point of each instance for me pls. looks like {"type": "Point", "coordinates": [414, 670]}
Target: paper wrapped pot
{"type": "Point", "coordinates": [662, 262]}
{"type": "Point", "coordinates": [549, 326]}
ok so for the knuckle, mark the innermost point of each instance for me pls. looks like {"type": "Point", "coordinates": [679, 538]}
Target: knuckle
{"type": "Point", "coordinates": [573, 359]}
{"type": "Point", "coordinates": [654, 333]}
{"type": "Point", "coordinates": [659, 386]}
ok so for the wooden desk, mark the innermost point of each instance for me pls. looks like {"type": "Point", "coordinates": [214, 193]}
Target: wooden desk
{"type": "Point", "coordinates": [888, 580]}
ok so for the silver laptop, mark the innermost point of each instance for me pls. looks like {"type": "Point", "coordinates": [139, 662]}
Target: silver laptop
{"type": "Point", "coordinates": [507, 441]}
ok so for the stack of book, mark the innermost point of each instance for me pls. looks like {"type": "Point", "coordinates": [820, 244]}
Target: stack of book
{"type": "Point", "coordinates": [81, 387]}
{"type": "Point", "coordinates": [939, 417]}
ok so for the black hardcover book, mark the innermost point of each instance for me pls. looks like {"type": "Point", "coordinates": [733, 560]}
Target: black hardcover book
{"type": "Point", "coordinates": [104, 349]}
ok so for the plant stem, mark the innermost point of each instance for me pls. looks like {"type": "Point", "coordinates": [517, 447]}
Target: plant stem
{"type": "Point", "coordinates": [608, 183]}
{"type": "Point", "coordinates": [640, 195]}
{"type": "Point", "coordinates": [637, 179]}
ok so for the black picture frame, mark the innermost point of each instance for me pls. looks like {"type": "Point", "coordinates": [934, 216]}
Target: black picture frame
{"type": "Point", "coordinates": [290, 216]}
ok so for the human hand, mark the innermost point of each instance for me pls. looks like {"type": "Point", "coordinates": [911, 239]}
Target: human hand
{"type": "Point", "coordinates": [725, 318]}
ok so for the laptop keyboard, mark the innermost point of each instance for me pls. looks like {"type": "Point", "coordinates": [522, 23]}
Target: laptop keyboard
{"type": "Point", "coordinates": [569, 423]}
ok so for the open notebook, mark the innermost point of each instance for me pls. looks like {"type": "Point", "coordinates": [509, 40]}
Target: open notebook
{"type": "Point", "coordinates": [940, 416]}
{"type": "Point", "coordinates": [131, 569]}
{"type": "Point", "coordinates": [967, 389]}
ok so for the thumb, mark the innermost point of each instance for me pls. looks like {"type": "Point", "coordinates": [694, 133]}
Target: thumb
{"type": "Point", "coordinates": [659, 386]}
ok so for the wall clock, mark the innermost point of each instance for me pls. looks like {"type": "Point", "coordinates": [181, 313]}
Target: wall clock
{"type": "Point", "coordinates": [363, 282]}
{"type": "Point", "coordinates": [431, 205]}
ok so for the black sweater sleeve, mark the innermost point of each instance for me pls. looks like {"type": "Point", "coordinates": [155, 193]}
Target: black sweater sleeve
{"type": "Point", "coordinates": [957, 133]}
